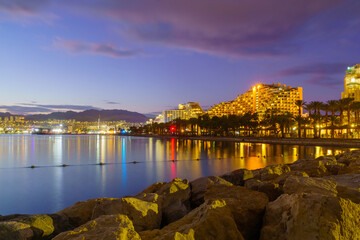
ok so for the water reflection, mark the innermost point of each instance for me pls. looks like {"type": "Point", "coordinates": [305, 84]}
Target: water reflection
{"type": "Point", "coordinates": [50, 187]}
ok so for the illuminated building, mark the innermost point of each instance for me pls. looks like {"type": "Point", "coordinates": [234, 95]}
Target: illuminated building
{"type": "Point", "coordinates": [352, 83]}
{"type": "Point", "coordinates": [259, 99]}
{"type": "Point", "coordinates": [185, 111]}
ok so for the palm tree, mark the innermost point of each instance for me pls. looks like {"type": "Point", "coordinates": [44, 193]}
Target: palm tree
{"type": "Point", "coordinates": [300, 104]}
{"type": "Point", "coordinates": [333, 106]}
{"type": "Point", "coordinates": [345, 103]}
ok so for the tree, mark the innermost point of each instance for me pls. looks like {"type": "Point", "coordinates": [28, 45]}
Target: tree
{"type": "Point", "coordinates": [333, 106]}
{"type": "Point", "coordinates": [300, 104]}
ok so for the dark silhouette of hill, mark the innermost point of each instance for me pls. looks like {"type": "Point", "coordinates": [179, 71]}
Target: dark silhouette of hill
{"type": "Point", "coordinates": [92, 116]}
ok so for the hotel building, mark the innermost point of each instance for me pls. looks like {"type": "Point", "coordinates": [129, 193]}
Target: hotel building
{"type": "Point", "coordinates": [185, 111]}
{"type": "Point", "coordinates": [259, 99]}
{"type": "Point", "coordinates": [352, 83]}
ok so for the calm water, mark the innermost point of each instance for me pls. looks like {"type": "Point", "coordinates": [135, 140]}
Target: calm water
{"type": "Point", "coordinates": [50, 187]}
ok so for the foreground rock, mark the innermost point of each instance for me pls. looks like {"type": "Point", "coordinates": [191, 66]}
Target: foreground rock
{"type": "Point", "coordinates": [107, 227]}
{"type": "Point", "coordinates": [311, 216]}
{"type": "Point", "coordinates": [246, 206]}
{"type": "Point", "coordinates": [173, 199]}
{"type": "Point", "coordinates": [199, 187]}
{"type": "Point", "coordinates": [144, 215]}
{"type": "Point", "coordinates": [212, 220]}
{"type": "Point", "coordinates": [32, 226]}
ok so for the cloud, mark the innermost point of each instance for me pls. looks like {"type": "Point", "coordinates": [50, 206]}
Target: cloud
{"type": "Point", "coordinates": [67, 107]}
{"type": "Point", "coordinates": [316, 73]}
{"type": "Point", "coordinates": [31, 108]}
{"type": "Point", "coordinates": [105, 49]}
{"type": "Point", "coordinates": [15, 109]}
{"type": "Point", "coordinates": [111, 102]}
{"type": "Point", "coordinates": [25, 11]}
{"type": "Point", "coordinates": [227, 27]}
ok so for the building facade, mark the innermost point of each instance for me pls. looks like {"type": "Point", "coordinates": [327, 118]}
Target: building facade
{"type": "Point", "coordinates": [259, 99]}
{"type": "Point", "coordinates": [185, 111]}
{"type": "Point", "coordinates": [352, 83]}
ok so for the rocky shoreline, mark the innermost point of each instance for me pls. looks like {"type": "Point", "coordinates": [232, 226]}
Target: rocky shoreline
{"type": "Point", "coordinates": [308, 199]}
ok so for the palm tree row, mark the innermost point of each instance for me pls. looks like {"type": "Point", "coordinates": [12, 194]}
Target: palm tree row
{"type": "Point", "coordinates": [322, 117]}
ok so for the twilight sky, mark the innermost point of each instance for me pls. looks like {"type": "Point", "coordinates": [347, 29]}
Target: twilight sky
{"type": "Point", "coordinates": [148, 56]}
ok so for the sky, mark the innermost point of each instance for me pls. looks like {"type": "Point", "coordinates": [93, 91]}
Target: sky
{"type": "Point", "coordinates": [149, 56]}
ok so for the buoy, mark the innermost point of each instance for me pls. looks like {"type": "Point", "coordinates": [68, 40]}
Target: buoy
{"type": "Point", "coordinates": [281, 155]}
{"type": "Point", "coordinates": [100, 163]}
{"type": "Point", "coordinates": [258, 156]}
{"type": "Point", "coordinates": [197, 159]}
{"type": "Point", "coordinates": [134, 162]}
{"type": "Point", "coordinates": [32, 166]}
{"type": "Point", "coordinates": [64, 165]}
{"type": "Point", "coordinates": [264, 156]}
{"type": "Point", "coordinates": [173, 160]}
{"type": "Point", "coordinates": [241, 157]}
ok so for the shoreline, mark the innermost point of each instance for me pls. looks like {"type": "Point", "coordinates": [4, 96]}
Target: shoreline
{"type": "Point", "coordinates": [351, 143]}
{"type": "Point", "coordinates": [244, 202]}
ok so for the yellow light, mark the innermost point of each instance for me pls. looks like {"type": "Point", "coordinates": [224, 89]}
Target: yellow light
{"type": "Point", "coordinates": [253, 88]}
{"type": "Point", "coordinates": [258, 86]}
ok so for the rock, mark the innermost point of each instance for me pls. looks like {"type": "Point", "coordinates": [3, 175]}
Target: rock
{"type": "Point", "coordinates": [282, 178]}
{"type": "Point", "coordinates": [27, 226]}
{"type": "Point", "coordinates": [13, 230]}
{"type": "Point", "coordinates": [238, 177]}
{"type": "Point", "coordinates": [212, 220]}
{"type": "Point", "coordinates": [272, 190]}
{"type": "Point", "coordinates": [174, 199]}
{"type": "Point", "coordinates": [294, 184]}
{"type": "Point", "coordinates": [311, 216]}
{"type": "Point", "coordinates": [246, 206]}
{"type": "Point", "coordinates": [347, 186]}
{"type": "Point", "coordinates": [81, 212]}
{"type": "Point", "coordinates": [271, 172]}
{"type": "Point", "coordinates": [198, 188]}
{"type": "Point", "coordinates": [107, 227]}
{"type": "Point", "coordinates": [321, 166]}
{"type": "Point", "coordinates": [145, 215]}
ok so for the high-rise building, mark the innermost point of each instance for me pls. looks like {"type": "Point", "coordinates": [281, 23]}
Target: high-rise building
{"type": "Point", "coordinates": [352, 83]}
{"type": "Point", "coordinates": [259, 99]}
{"type": "Point", "coordinates": [185, 111]}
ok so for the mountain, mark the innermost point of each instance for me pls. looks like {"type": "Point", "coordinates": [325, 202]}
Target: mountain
{"type": "Point", "coordinates": [92, 116]}
{"type": "Point", "coordinates": [152, 114]}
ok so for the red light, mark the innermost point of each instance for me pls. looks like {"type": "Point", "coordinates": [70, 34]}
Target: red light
{"type": "Point", "coordinates": [172, 129]}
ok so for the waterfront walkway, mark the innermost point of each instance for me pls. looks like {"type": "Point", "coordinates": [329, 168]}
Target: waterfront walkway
{"type": "Point", "coordinates": [336, 142]}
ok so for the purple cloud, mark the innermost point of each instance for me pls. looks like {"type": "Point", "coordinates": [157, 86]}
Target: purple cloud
{"type": "Point", "coordinates": [106, 49]}
{"type": "Point", "coordinates": [229, 27]}
{"type": "Point", "coordinates": [317, 73]}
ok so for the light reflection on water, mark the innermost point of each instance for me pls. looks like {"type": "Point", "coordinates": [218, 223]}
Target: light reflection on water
{"type": "Point", "coordinates": [50, 187]}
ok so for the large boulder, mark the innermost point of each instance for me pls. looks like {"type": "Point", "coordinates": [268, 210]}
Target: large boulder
{"type": "Point", "coordinates": [238, 177]}
{"type": "Point", "coordinates": [311, 216]}
{"type": "Point", "coordinates": [212, 220]}
{"type": "Point", "coordinates": [351, 160]}
{"type": "Point", "coordinates": [81, 212]}
{"type": "Point", "coordinates": [271, 172]}
{"type": "Point", "coordinates": [246, 206]}
{"type": "Point", "coordinates": [295, 184]}
{"type": "Point", "coordinates": [27, 227]}
{"type": "Point", "coordinates": [144, 215]}
{"type": "Point", "coordinates": [347, 186]}
{"type": "Point", "coordinates": [13, 230]}
{"type": "Point", "coordinates": [321, 166]}
{"type": "Point", "coordinates": [107, 227]}
{"type": "Point", "coordinates": [199, 186]}
{"type": "Point", "coordinates": [272, 190]}
{"type": "Point", "coordinates": [173, 199]}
